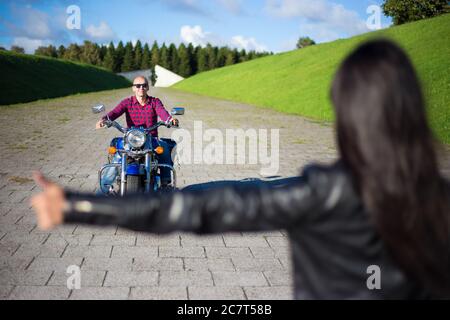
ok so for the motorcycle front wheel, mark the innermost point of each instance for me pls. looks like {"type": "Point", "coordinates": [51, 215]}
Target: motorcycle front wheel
{"type": "Point", "coordinates": [134, 184]}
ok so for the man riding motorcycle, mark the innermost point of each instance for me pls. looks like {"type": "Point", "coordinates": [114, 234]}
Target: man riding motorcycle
{"type": "Point", "coordinates": [141, 110]}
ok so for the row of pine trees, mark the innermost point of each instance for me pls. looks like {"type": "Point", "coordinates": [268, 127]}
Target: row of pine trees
{"type": "Point", "coordinates": [185, 60]}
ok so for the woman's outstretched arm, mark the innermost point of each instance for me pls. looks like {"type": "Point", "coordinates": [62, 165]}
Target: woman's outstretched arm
{"type": "Point", "coordinates": [230, 208]}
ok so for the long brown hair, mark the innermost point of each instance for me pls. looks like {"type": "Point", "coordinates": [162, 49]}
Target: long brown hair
{"type": "Point", "coordinates": [385, 141]}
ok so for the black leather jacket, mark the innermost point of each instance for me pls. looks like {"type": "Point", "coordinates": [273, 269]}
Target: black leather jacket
{"type": "Point", "coordinates": [333, 241]}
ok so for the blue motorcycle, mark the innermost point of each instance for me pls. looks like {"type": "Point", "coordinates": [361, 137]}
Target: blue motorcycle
{"type": "Point", "coordinates": [133, 165]}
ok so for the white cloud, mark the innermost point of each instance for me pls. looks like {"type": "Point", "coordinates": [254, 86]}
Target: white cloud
{"type": "Point", "coordinates": [101, 33]}
{"type": "Point", "coordinates": [323, 19]}
{"type": "Point", "coordinates": [28, 44]}
{"type": "Point", "coordinates": [29, 23]}
{"type": "Point", "coordinates": [29, 27]}
{"type": "Point", "coordinates": [197, 36]}
{"type": "Point", "coordinates": [249, 44]}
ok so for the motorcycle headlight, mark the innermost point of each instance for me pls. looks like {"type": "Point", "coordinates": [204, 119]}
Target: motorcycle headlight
{"type": "Point", "coordinates": [136, 138]}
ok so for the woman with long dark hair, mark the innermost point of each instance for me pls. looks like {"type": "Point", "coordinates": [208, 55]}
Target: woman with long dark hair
{"type": "Point", "coordinates": [382, 206]}
{"type": "Point", "coordinates": [387, 145]}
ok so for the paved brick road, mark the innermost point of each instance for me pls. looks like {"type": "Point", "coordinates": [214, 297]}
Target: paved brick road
{"type": "Point", "coordinates": [57, 137]}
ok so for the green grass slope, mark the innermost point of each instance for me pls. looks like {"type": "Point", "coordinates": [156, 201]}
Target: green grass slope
{"type": "Point", "coordinates": [298, 81]}
{"type": "Point", "coordinates": [26, 78]}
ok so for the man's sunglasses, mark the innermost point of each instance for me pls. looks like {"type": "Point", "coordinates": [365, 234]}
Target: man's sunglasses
{"type": "Point", "coordinates": [143, 85]}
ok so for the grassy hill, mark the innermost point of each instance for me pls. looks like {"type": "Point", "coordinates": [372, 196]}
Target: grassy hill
{"type": "Point", "coordinates": [298, 81]}
{"type": "Point", "coordinates": [26, 78]}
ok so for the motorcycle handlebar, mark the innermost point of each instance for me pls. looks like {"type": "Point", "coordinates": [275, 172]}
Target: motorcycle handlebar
{"type": "Point", "coordinates": [110, 123]}
{"type": "Point", "coordinates": [158, 124]}
{"type": "Point", "coordinates": [116, 125]}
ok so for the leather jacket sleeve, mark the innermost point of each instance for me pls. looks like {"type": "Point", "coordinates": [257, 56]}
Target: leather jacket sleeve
{"type": "Point", "coordinates": [224, 209]}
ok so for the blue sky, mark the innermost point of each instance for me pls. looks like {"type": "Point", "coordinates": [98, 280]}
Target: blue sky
{"type": "Point", "coordinates": [270, 25]}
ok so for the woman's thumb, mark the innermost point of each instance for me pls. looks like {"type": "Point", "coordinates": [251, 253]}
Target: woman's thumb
{"type": "Point", "coordinates": [40, 179]}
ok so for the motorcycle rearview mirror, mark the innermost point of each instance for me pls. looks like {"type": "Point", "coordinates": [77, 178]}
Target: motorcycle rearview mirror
{"type": "Point", "coordinates": [98, 108]}
{"type": "Point", "coordinates": [177, 111]}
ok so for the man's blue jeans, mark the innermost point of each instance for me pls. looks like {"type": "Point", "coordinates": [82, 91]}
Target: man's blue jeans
{"type": "Point", "coordinates": [109, 174]}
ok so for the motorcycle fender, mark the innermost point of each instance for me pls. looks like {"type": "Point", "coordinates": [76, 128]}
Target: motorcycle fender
{"type": "Point", "coordinates": [133, 169]}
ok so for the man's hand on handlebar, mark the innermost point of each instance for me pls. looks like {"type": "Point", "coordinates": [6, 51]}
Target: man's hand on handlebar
{"type": "Point", "coordinates": [174, 122]}
{"type": "Point", "coordinates": [100, 124]}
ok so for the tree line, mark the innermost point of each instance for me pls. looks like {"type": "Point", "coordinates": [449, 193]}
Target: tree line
{"type": "Point", "coordinates": [185, 60]}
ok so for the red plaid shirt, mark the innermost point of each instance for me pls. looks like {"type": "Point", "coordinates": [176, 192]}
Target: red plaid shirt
{"type": "Point", "coordinates": [138, 115]}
